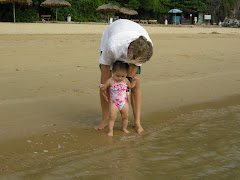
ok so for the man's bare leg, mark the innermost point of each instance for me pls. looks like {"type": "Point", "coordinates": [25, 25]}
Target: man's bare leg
{"type": "Point", "coordinates": [105, 75]}
{"type": "Point", "coordinates": [136, 100]}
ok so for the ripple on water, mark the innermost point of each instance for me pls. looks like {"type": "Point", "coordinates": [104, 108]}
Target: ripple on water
{"type": "Point", "coordinates": [207, 139]}
{"type": "Point", "coordinates": [204, 143]}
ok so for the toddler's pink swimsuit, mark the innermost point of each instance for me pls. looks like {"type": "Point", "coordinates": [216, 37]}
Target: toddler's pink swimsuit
{"type": "Point", "coordinates": [118, 94]}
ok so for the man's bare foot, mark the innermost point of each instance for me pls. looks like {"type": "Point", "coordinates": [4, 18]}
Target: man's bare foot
{"type": "Point", "coordinates": [110, 133]}
{"type": "Point", "coordinates": [126, 131]}
{"type": "Point", "coordinates": [139, 129]}
{"type": "Point", "coordinates": [101, 126]}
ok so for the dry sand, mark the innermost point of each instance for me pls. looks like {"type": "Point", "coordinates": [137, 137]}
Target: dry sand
{"type": "Point", "coordinates": [49, 73]}
{"type": "Point", "coordinates": [95, 28]}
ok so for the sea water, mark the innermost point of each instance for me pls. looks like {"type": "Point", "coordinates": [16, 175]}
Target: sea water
{"type": "Point", "coordinates": [202, 144]}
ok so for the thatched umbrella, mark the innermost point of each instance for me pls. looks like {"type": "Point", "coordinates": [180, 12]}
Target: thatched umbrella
{"type": "Point", "coordinates": [108, 8]}
{"type": "Point", "coordinates": [25, 2]}
{"type": "Point", "coordinates": [128, 11]}
{"type": "Point", "coordinates": [55, 4]}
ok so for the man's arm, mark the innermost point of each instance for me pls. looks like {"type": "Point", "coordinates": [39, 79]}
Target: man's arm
{"type": "Point", "coordinates": [132, 70]}
{"type": "Point", "coordinates": [132, 83]}
{"type": "Point", "coordinates": [105, 75]}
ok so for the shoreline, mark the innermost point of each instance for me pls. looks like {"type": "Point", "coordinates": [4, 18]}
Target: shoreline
{"type": "Point", "coordinates": [171, 113]}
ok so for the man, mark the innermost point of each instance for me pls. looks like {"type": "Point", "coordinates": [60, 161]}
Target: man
{"type": "Point", "coordinates": [128, 41]}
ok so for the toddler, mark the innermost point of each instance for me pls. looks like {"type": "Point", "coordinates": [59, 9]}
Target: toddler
{"type": "Point", "coordinates": [118, 84]}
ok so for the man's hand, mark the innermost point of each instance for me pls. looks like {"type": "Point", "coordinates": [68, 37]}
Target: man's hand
{"type": "Point", "coordinates": [101, 86]}
{"type": "Point", "coordinates": [134, 78]}
{"type": "Point", "coordinates": [104, 93]}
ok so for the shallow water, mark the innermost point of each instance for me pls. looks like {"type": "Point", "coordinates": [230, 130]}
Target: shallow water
{"type": "Point", "coordinates": [203, 144]}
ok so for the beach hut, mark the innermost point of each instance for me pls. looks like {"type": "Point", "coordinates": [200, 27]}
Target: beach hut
{"type": "Point", "coordinates": [55, 4]}
{"type": "Point", "coordinates": [175, 19]}
{"type": "Point", "coordinates": [25, 2]}
{"type": "Point", "coordinates": [108, 8]}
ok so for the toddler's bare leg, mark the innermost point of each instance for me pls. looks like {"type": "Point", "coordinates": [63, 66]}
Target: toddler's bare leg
{"type": "Point", "coordinates": [124, 114]}
{"type": "Point", "coordinates": [112, 118]}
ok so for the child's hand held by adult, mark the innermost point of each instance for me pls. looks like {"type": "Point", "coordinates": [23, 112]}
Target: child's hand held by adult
{"type": "Point", "coordinates": [101, 86]}
{"type": "Point", "coordinates": [104, 93]}
{"type": "Point", "coordinates": [128, 99]}
{"type": "Point", "coordinates": [134, 78]}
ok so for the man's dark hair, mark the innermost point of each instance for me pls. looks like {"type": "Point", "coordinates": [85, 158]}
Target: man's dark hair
{"type": "Point", "coordinates": [120, 65]}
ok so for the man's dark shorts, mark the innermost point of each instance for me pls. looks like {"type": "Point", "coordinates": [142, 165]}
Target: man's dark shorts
{"type": "Point", "coordinates": [138, 70]}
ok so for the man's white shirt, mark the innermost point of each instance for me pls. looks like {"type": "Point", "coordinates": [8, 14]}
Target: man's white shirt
{"type": "Point", "coordinates": [116, 39]}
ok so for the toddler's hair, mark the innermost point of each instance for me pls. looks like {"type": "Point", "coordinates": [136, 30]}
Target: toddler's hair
{"type": "Point", "coordinates": [120, 65]}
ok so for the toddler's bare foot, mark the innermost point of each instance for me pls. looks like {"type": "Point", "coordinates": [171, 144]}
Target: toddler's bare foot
{"type": "Point", "coordinates": [101, 126]}
{"type": "Point", "coordinates": [139, 129]}
{"type": "Point", "coordinates": [110, 133]}
{"type": "Point", "coordinates": [126, 131]}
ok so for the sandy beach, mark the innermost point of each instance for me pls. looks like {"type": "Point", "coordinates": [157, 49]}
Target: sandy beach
{"type": "Point", "coordinates": [52, 69]}
{"type": "Point", "coordinates": [49, 76]}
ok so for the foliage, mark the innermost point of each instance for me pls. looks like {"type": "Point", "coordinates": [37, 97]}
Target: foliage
{"type": "Point", "coordinates": [85, 10]}
{"type": "Point", "coordinates": [222, 8]}
{"type": "Point", "coordinates": [6, 12]}
{"type": "Point", "coordinates": [25, 14]}
{"type": "Point", "coordinates": [132, 4]}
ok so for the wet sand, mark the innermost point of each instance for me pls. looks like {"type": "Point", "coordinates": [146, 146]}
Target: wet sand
{"type": "Point", "coordinates": [49, 80]}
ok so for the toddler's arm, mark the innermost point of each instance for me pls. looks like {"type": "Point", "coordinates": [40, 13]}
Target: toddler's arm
{"type": "Point", "coordinates": [106, 85]}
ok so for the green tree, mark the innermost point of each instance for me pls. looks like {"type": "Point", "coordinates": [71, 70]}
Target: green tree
{"type": "Point", "coordinates": [133, 4]}
{"type": "Point", "coordinates": [83, 10]}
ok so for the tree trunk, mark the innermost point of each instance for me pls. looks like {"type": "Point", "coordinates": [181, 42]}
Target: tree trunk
{"type": "Point", "coordinates": [14, 17]}
{"type": "Point", "coordinates": [56, 14]}
{"type": "Point", "coordinates": [236, 10]}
